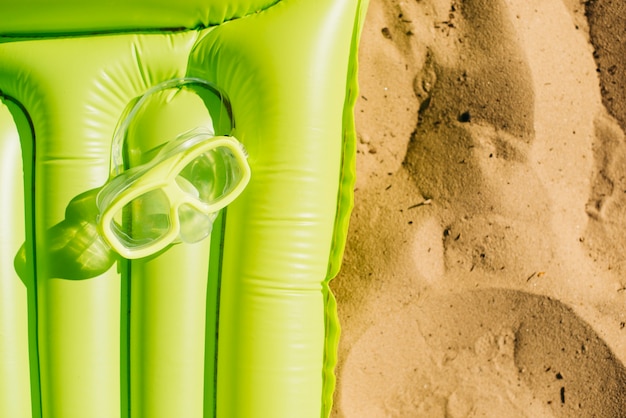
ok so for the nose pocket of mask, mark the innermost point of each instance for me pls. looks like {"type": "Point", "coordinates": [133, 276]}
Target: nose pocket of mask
{"type": "Point", "coordinates": [194, 225]}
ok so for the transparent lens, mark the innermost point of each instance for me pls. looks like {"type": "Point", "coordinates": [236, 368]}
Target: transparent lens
{"type": "Point", "coordinates": [143, 220]}
{"type": "Point", "coordinates": [213, 174]}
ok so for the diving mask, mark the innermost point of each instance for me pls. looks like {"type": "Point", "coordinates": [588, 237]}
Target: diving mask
{"type": "Point", "coordinates": [177, 194]}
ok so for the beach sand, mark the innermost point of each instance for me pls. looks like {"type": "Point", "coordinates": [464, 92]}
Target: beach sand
{"type": "Point", "coordinates": [484, 274]}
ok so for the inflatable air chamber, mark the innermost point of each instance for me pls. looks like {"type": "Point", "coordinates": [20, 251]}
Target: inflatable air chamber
{"type": "Point", "coordinates": [176, 182]}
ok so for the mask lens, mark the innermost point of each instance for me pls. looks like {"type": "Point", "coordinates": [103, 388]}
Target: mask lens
{"type": "Point", "coordinates": [214, 174]}
{"type": "Point", "coordinates": [143, 220]}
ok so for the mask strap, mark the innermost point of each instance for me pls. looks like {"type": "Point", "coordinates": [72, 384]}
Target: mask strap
{"type": "Point", "coordinates": [191, 83]}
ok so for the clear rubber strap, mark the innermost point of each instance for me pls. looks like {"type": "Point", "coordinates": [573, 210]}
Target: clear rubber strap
{"type": "Point", "coordinates": [192, 83]}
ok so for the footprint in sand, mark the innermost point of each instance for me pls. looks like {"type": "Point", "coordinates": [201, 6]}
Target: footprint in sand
{"type": "Point", "coordinates": [485, 353]}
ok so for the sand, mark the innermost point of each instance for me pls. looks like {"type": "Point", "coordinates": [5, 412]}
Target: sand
{"type": "Point", "coordinates": [485, 271]}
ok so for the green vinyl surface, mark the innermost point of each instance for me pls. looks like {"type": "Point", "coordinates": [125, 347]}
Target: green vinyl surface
{"type": "Point", "coordinates": [239, 325]}
{"type": "Point", "coordinates": [63, 17]}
